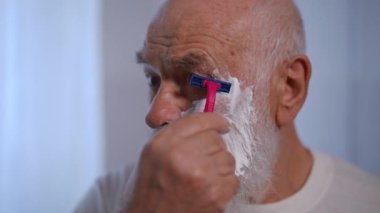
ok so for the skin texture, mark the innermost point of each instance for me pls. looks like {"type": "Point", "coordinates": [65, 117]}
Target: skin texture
{"type": "Point", "coordinates": [185, 167]}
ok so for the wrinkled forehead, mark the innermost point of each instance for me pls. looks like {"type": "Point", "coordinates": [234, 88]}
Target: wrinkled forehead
{"type": "Point", "coordinates": [224, 16]}
{"type": "Point", "coordinates": [218, 26]}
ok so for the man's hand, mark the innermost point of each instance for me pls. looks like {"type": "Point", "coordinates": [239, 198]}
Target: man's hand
{"type": "Point", "coordinates": [185, 168]}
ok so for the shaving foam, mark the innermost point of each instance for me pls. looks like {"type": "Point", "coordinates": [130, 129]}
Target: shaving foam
{"type": "Point", "coordinates": [237, 108]}
{"type": "Point", "coordinates": [252, 138]}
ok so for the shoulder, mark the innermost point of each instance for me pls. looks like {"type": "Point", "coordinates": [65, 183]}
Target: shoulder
{"type": "Point", "coordinates": [351, 189]}
{"type": "Point", "coordinates": [115, 181]}
{"type": "Point", "coordinates": [356, 179]}
{"type": "Point", "coordinates": [107, 192]}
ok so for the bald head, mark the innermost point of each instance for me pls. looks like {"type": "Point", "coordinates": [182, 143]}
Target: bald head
{"type": "Point", "coordinates": [254, 30]}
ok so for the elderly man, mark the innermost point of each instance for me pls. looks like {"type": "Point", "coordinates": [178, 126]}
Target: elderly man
{"type": "Point", "coordinates": [246, 156]}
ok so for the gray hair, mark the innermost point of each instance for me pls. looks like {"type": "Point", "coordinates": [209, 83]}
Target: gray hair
{"type": "Point", "coordinates": [280, 30]}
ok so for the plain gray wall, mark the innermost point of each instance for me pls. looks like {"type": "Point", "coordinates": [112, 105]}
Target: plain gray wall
{"type": "Point", "coordinates": [341, 114]}
{"type": "Point", "coordinates": [126, 90]}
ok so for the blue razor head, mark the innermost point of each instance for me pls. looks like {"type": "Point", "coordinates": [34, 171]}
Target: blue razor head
{"type": "Point", "coordinates": [197, 81]}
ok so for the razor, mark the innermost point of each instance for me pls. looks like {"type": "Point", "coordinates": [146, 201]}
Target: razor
{"type": "Point", "coordinates": [213, 86]}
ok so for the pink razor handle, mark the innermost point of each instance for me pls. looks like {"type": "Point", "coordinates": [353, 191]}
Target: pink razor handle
{"type": "Point", "coordinates": [212, 88]}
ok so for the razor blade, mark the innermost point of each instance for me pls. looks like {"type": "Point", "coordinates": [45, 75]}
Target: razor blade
{"type": "Point", "coordinates": [199, 81]}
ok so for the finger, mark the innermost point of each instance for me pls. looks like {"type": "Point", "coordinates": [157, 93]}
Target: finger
{"type": "Point", "coordinates": [222, 191]}
{"type": "Point", "coordinates": [224, 162]}
{"type": "Point", "coordinates": [184, 129]}
{"type": "Point", "coordinates": [203, 144]}
{"type": "Point", "coordinates": [229, 187]}
{"type": "Point", "coordinates": [199, 122]}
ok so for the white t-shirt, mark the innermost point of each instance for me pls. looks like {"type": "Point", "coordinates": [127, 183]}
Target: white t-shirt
{"type": "Point", "coordinates": [332, 187]}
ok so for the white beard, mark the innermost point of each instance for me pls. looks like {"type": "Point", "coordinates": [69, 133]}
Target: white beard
{"type": "Point", "coordinates": [252, 140]}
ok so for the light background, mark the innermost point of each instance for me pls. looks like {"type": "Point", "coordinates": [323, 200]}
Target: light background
{"type": "Point", "coordinates": [73, 101]}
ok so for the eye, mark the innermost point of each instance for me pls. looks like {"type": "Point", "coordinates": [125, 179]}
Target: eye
{"type": "Point", "coordinates": [188, 91]}
{"type": "Point", "coordinates": [154, 81]}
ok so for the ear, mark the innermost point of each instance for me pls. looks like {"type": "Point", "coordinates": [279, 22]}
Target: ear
{"type": "Point", "coordinates": [293, 88]}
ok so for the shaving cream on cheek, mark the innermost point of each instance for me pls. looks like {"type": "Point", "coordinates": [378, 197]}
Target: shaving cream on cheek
{"type": "Point", "coordinates": [237, 107]}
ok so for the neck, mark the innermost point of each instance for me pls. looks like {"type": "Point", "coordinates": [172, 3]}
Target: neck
{"type": "Point", "coordinates": [293, 166]}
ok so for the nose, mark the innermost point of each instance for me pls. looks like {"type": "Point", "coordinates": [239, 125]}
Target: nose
{"type": "Point", "coordinates": [166, 106]}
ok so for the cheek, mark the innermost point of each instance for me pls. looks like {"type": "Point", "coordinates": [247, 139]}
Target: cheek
{"type": "Point", "coordinates": [230, 105]}
{"type": "Point", "coordinates": [223, 105]}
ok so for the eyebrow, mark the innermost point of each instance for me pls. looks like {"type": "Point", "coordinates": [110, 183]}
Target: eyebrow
{"type": "Point", "coordinates": [193, 61]}
{"type": "Point", "coordinates": [140, 59]}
